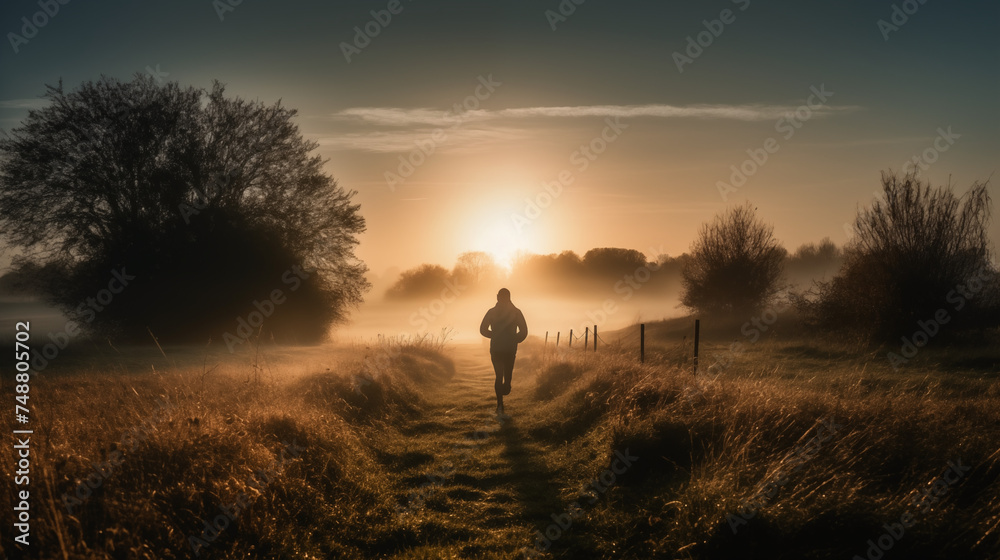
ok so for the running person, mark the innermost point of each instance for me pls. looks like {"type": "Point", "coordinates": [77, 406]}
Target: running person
{"type": "Point", "coordinates": [505, 327]}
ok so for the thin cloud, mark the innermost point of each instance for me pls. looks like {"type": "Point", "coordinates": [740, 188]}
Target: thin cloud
{"type": "Point", "coordinates": [397, 129]}
{"type": "Point", "coordinates": [402, 117]}
{"type": "Point", "coordinates": [401, 141]}
{"type": "Point", "coordinates": [37, 103]}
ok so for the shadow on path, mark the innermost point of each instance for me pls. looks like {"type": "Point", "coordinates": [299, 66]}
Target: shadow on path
{"type": "Point", "coordinates": [530, 477]}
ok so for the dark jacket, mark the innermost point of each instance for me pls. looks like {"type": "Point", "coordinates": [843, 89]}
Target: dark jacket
{"type": "Point", "coordinates": [505, 327]}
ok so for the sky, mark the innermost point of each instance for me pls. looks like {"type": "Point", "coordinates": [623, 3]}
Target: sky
{"type": "Point", "coordinates": [547, 126]}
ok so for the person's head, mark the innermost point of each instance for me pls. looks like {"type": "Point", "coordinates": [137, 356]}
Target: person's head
{"type": "Point", "coordinates": [503, 296]}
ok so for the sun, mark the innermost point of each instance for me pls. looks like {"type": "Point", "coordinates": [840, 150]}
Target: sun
{"type": "Point", "coordinates": [494, 234]}
{"type": "Point", "coordinates": [502, 248]}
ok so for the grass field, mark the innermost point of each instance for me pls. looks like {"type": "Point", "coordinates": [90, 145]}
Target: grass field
{"type": "Point", "coordinates": [784, 448]}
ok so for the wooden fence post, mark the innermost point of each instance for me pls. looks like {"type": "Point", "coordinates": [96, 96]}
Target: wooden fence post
{"type": "Point", "coordinates": [595, 338]}
{"type": "Point", "coordinates": [642, 343]}
{"type": "Point", "coordinates": [571, 338]}
{"type": "Point", "coordinates": [586, 339]}
{"type": "Point", "coordinates": [557, 339]}
{"type": "Point", "coordinates": [546, 340]}
{"type": "Point", "coordinates": [697, 333]}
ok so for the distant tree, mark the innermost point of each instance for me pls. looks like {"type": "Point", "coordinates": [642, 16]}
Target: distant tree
{"type": "Point", "coordinates": [914, 252]}
{"type": "Point", "coordinates": [544, 273]}
{"type": "Point", "coordinates": [426, 280]}
{"type": "Point", "coordinates": [811, 262]}
{"type": "Point", "coordinates": [208, 202]}
{"type": "Point", "coordinates": [26, 280]}
{"type": "Point", "coordinates": [477, 268]}
{"type": "Point", "coordinates": [612, 261]}
{"type": "Point", "coordinates": [735, 265]}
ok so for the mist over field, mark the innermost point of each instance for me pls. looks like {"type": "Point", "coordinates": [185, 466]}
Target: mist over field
{"type": "Point", "coordinates": [557, 292]}
{"type": "Point", "coordinates": [395, 280]}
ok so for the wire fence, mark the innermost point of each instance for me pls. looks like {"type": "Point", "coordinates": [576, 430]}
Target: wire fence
{"type": "Point", "coordinates": [595, 336]}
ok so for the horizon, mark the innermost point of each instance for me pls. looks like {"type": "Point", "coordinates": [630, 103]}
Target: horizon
{"type": "Point", "coordinates": [251, 256]}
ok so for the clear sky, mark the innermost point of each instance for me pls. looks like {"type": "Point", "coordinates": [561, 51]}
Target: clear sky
{"type": "Point", "coordinates": [534, 87]}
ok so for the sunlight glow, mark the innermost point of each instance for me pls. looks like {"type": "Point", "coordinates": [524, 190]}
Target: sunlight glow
{"type": "Point", "coordinates": [492, 232]}
{"type": "Point", "coordinates": [500, 243]}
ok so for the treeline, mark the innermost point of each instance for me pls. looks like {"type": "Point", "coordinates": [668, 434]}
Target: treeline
{"type": "Point", "coordinates": [920, 259]}
{"type": "Point", "coordinates": [568, 275]}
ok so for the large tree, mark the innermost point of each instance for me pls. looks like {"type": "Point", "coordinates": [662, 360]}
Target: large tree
{"type": "Point", "coordinates": [735, 265]}
{"type": "Point", "coordinates": [210, 202]}
{"type": "Point", "coordinates": [917, 251]}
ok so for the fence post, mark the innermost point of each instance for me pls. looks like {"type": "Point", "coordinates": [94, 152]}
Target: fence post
{"type": "Point", "coordinates": [546, 340]}
{"type": "Point", "coordinates": [557, 339]}
{"type": "Point", "coordinates": [642, 343]}
{"type": "Point", "coordinates": [595, 338]}
{"type": "Point", "coordinates": [697, 333]}
{"type": "Point", "coordinates": [586, 339]}
{"type": "Point", "coordinates": [571, 338]}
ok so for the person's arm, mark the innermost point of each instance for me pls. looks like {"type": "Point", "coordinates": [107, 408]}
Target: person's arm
{"type": "Point", "coordinates": [484, 327]}
{"type": "Point", "coordinates": [522, 327]}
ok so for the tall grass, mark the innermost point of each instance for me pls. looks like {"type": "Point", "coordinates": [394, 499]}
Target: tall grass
{"type": "Point", "coordinates": [164, 451]}
{"type": "Point", "coordinates": [710, 444]}
{"type": "Point", "coordinates": [320, 459]}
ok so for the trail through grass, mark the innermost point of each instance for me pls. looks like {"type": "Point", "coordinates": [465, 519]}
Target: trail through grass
{"type": "Point", "coordinates": [474, 484]}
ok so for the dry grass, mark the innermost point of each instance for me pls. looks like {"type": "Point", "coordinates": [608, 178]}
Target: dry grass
{"type": "Point", "coordinates": [369, 424]}
{"type": "Point", "coordinates": [168, 468]}
{"type": "Point", "coordinates": [710, 443]}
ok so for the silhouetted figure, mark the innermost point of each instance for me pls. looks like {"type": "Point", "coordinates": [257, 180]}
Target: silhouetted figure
{"type": "Point", "coordinates": [505, 327]}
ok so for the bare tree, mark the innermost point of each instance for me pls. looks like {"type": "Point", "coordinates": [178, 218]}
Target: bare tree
{"type": "Point", "coordinates": [477, 268]}
{"type": "Point", "coordinates": [911, 250]}
{"type": "Point", "coordinates": [735, 265]}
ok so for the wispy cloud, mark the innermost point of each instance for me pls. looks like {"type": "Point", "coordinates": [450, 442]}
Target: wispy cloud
{"type": "Point", "coordinates": [460, 139]}
{"type": "Point", "coordinates": [396, 116]}
{"type": "Point", "coordinates": [36, 103]}
{"type": "Point", "coordinates": [397, 129]}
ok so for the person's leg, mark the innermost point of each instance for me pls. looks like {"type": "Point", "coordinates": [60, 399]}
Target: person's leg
{"type": "Point", "coordinates": [508, 373]}
{"type": "Point", "coordinates": [498, 370]}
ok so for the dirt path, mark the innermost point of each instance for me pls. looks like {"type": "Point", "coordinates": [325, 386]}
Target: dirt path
{"type": "Point", "coordinates": [474, 485]}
